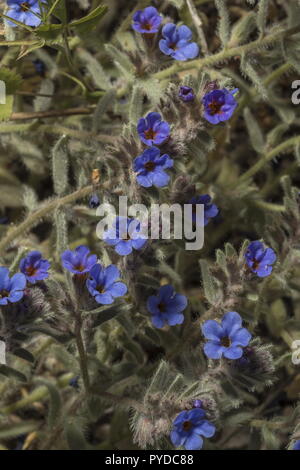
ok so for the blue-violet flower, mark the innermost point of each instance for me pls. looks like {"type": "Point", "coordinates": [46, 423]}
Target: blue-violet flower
{"type": "Point", "coordinates": [188, 427]}
{"type": "Point", "coordinates": [150, 168]}
{"type": "Point", "coordinates": [34, 267]}
{"type": "Point", "coordinates": [103, 285]}
{"type": "Point", "coordinates": [147, 21]}
{"type": "Point", "coordinates": [186, 93]}
{"type": "Point", "coordinates": [219, 105]}
{"type": "Point", "coordinates": [225, 338]}
{"type": "Point", "coordinates": [125, 235]}
{"type": "Point", "coordinates": [24, 11]}
{"type": "Point", "coordinates": [166, 307]}
{"type": "Point", "coordinates": [11, 289]}
{"type": "Point", "coordinates": [152, 130]}
{"type": "Point", "coordinates": [79, 261]}
{"type": "Point", "coordinates": [177, 43]}
{"type": "Point", "coordinates": [210, 210]}
{"type": "Point", "coordinates": [260, 259]}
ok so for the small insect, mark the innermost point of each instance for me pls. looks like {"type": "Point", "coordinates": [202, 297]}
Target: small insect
{"type": "Point", "coordinates": [95, 176]}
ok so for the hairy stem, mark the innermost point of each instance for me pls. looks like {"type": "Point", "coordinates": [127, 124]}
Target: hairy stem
{"type": "Point", "coordinates": [227, 53]}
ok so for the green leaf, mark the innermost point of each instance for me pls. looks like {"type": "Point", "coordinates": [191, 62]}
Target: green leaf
{"type": "Point", "coordinates": [12, 373]}
{"type": "Point", "coordinates": [24, 354]}
{"type": "Point", "coordinates": [55, 404]}
{"type": "Point", "coordinates": [49, 31]}
{"type": "Point", "coordinates": [7, 108]}
{"type": "Point", "coordinates": [209, 284]}
{"type": "Point", "coordinates": [10, 431]}
{"type": "Point", "coordinates": [58, 9]}
{"type": "Point", "coordinates": [254, 131]}
{"type": "Point", "coordinates": [89, 21]}
{"type": "Point", "coordinates": [60, 165]}
{"type": "Point", "coordinates": [224, 24]}
{"type": "Point", "coordinates": [11, 79]}
{"type": "Point", "coordinates": [75, 437]}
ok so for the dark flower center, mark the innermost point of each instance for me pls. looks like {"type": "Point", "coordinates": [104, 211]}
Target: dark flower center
{"type": "Point", "coordinates": [3, 293]}
{"type": "Point", "coordinates": [255, 264]}
{"type": "Point", "coordinates": [187, 425]}
{"type": "Point", "coordinates": [101, 289]}
{"type": "Point", "coordinates": [149, 166]}
{"type": "Point", "coordinates": [147, 26]}
{"type": "Point", "coordinates": [215, 107]}
{"type": "Point", "coordinates": [31, 271]}
{"type": "Point", "coordinates": [24, 6]}
{"type": "Point", "coordinates": [79, 267]}
{"type": "Point", "coordinates": [173, 46]}
{"type": "Point", "coordinates": [225, 342]}
{"type": "Point", "coordinates": [125, 236]}
{"type": "Point", "coordinates": [150, 134]}
{"type": "Point", "coordinates": [161, 307]}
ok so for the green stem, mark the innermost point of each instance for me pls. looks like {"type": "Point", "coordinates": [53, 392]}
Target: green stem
{"type": "Point", "coordinates": [41, 213]}
{"type": "Point", "coordinates": [82, 356]}
{"type": "Point", "coordinates": [38, 394]}
{"type": "Point", "coordinates": [267, 158]}
{"type": "Point", "coordinates": [227, 53]}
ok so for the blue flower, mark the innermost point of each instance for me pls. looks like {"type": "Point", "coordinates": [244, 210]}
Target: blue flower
{"type": "Point", "coordinates": [103, 285]}
{"type": "Point", "coordinates": [147, 21]}
{"type": "Point", "coordinates": [225, 338]}
{"type": "Point", "coordinates": [94, 201]}
{"type": "Point", "coordinates": [210, 210]}
{"type": "Point", "coordinates": [24, 11]}
{"type": "Point", "coordinates": [79, 261]}
{"type": "Point", "coordinates": [219, 105]}
{"type": "Point", "coordinates": [150, 167]}
{"type": "Point", "coordinates": [186, 93]}
{"type": "Point", "coordinates": [34, 267]}
{"type": "Point", "coordinates": [197, 403]}
{"type": "Point", "coordinates": [125, 235]}
{"type": "Point", "coordinates": [11, 289]}
{"type": "Point", "coordinates": [166, 307]}
{"type": "Point", "coordinates": [296, 445]}
{"type": "Point", "coordinates": [152, 130]}
{"type": "Point", "coordinates": [40, 67]}
{"type": "Point", "coordinates": [176, 42]}
{"type": "Point", "coordinates": [260, 259]}
{"type": "Point", "coordinates": [188, 427]}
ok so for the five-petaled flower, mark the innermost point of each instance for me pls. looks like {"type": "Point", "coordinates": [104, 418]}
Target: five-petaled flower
{"type": "Point", "coordinates": [34, 267]}
{"type": "Point", "coordinates": [125, 235]}
{"type": "Point", "coordinates": [11, 289]}
{"type": "Point", "coordinates": [166, 307]}
{"type": "Point", "coordinates": [79, 261]}
{"type": "Point", "coordinates": [103, 285]}
{"type": "Point", "coordinates": [150, 168]}
{"type": "Point", "coordinates": [147, 21]}
{"type": "Point", "coordinates": [219, 105]}
{"type": "Point", "coordinates": [188, 427]}
{"type": "Point", "coordinates": [186, 93]}
{"type": "Point", "coordinates": [260, 259]}
{"type": "Point", "coordinates": [296, 445]}
{"type": "Point", "coordinates": [210, 210]}
{"type": "Point", "coordinates": [152, 130]}
{"type": "Point", "coordinates": [226, 338]}
{"type": "Point", "coordinates": [177, 43]}
{"type": "Point", "coordinates": [27, 12]}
